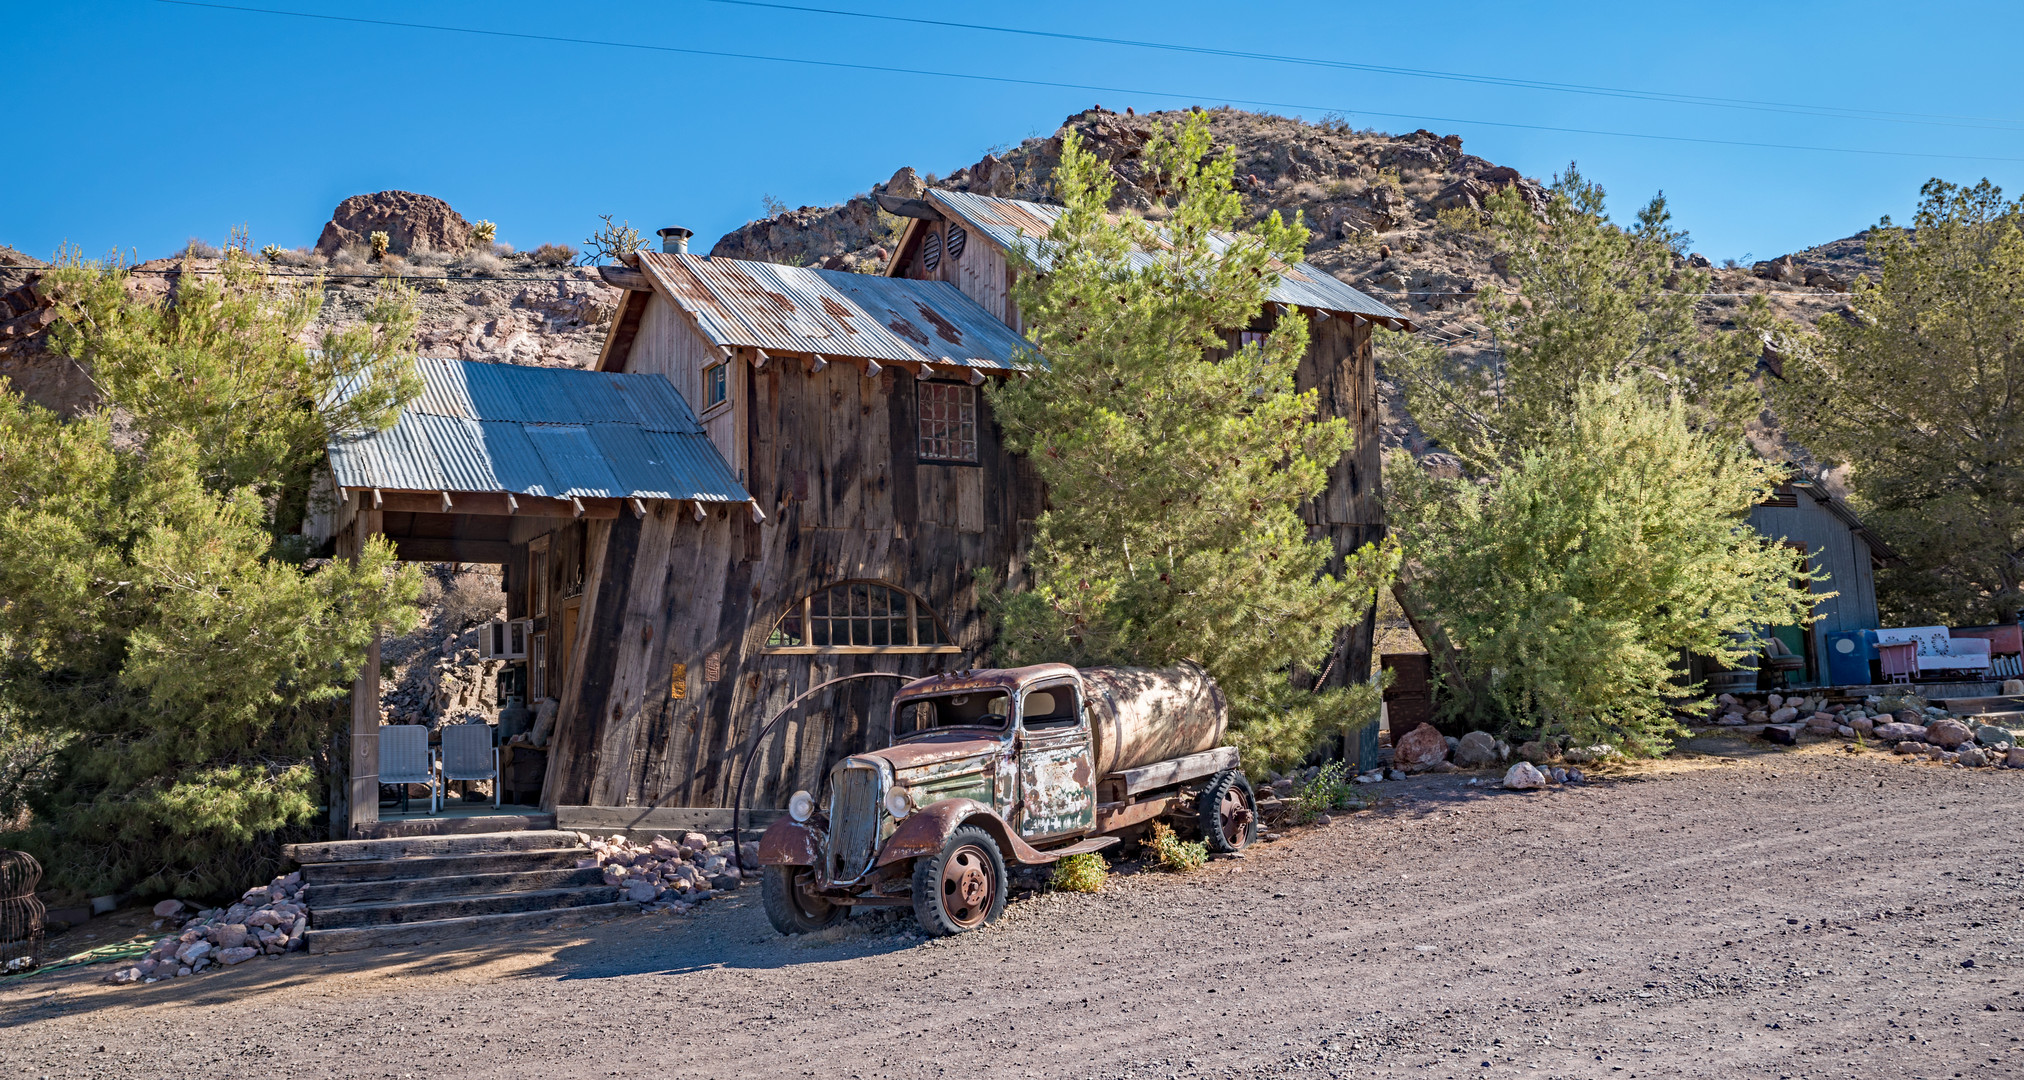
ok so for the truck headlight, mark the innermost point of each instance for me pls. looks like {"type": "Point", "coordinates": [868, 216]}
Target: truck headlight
{"type": "Point", "coordinates": [899, 802]}
{"type": "Point", "coordinates": [801, 806]}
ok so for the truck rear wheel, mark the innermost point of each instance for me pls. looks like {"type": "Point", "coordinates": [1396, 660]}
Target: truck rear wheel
{"type": "Point", "coordinates": [790, 907]}
{"type": "Point", "coordinates": [1228, 812]}
{"type": "Point", "coordinates": [963, 887]}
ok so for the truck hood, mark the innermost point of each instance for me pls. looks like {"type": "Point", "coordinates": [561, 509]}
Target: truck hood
{"type": "Point", "coordinates": [938, 754]}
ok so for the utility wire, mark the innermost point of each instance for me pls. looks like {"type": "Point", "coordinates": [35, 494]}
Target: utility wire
{"type": "Point", "coordinates": [1987, 123]}
{"type": "Point", "coordinates": [1012, 81]}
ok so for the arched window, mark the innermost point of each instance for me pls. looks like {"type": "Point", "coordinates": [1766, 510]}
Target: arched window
{"type": "Point", "coordinates": [860, 616]}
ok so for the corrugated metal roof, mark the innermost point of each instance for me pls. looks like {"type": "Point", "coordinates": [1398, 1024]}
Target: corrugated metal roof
{"type": "Point", "coordinates": [836, 313]}
{"type": "Point", "coordinates": [1018, 224]}
{"type": "Point", "coordinates": [555, 432]}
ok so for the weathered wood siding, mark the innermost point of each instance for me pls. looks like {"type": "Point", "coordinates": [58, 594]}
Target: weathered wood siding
{"type": "Point", "coordinates": [833, 464]}
{"type": "Point", "coordinates": [669, 344]}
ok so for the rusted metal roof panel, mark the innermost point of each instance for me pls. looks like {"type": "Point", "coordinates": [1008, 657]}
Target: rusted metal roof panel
{"type": "Point", "coordinates": [836, 313]}
{"type": "Point", "coordinates": [555, 432]}
{"type": "Point", "coordinates": [1015, 224]}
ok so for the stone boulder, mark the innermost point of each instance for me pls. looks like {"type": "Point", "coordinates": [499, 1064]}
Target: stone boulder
{"type": "Point", "coordinates": [1524, 777]}
{"type": "Point", "coordinates": [1784, 714]}
{"type": "Point", "coordinates": [1475, 750]}
{"type": "Point", "coordinates": [1539, 752]}
{"type": "Point", "coordinates": [237, 954]}
{"type": "Point", "coordinates": [410, 221]}
{"type": "Point", "coordinates": [1991, 735]}
{"type": "Point", "coordinates": [1948, 733]}
{"type": "Point", "coordinates": [1972, 758]}
{"type": "Point", "coordinates": [2014, 757]}
{"type": "Point", "coordinates": [1897, 731]}
{"type": "Point", "coordinates": [1422, 747]}
{"type": "Point", "coordinates": [1786, 734]}
{"type": "Point", "coordinates": [168, 909]}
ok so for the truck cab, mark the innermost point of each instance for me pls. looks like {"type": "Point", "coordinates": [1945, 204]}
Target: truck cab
{"type": "Point", "coordinates": [986, 767]}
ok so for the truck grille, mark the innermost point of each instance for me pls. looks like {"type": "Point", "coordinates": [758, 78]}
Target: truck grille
{"type": "Point", "coordinates": [853, 821]}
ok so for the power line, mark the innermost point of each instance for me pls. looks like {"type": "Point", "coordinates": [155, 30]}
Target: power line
{"type": "Point", "coordinates": [1014, 81]}
{"type": "Point", "coordinates": [1833, 111]}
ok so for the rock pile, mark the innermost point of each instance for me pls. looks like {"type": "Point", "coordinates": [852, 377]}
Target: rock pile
{"type": "Point", "coordinates": [267, 921]}
{"type": "Point", "coordinates": [1905, 722]}
{"type": "Point", "coordinates": [669, 874]}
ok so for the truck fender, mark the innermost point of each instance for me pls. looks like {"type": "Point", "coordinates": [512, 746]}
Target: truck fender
{"type": "Point", "coordinates": [788, 842]}
{"type": "Point", "coordinates": [923, 832]}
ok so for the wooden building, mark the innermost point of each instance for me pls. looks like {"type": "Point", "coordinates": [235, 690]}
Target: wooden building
{"type": "Point", "coordinates": [814, 503]}
{"type": "Point", "coordinates": [1824, 535]}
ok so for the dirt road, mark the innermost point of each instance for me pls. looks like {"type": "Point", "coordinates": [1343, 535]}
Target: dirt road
{"type": "Point", "coordinates": [1780, 914]}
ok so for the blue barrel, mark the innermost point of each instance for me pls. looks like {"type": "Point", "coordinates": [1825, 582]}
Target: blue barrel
{"type": "Point", "coordinates": [1848, 655]}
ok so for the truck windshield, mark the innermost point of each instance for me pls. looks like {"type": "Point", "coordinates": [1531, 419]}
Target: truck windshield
{"type": "Point", "coordinates": [982, 709]}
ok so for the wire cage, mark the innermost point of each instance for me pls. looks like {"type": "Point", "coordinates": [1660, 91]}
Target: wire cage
{"type": "Point", "coordinates": [20, 912]}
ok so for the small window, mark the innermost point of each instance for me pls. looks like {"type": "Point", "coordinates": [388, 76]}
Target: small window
{"type": "Point", "coordinates": [716, 385]}
{"type": "Point", "coordinates": [1248, 338]}
{"type": "Point", "coordinates": [985, 710]}
{"type": "Point", "coordinates": [537, 578]}
{"type": "Point", "coordinates": [1053, 707]}
{"type": "Point", "coordinates": [948, 422]}
{"type": "Point", "coordinates": [537, 669]}
{"type": "Point", "coordinates": [859, 616]}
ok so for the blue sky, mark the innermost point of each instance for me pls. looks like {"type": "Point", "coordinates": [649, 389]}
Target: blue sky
{"type": "Point", "coordinates": [137, 124]}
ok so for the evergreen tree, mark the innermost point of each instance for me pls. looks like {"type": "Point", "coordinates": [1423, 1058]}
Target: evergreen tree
{"type": "Point", "coordinates": [1174, 475]}
{"type": "Point", "coordinates": [1919, 390]}
{"type": "Point", "coordinates": [1594, 301]}
{"type": "Point", "coordinates": [158, 622]}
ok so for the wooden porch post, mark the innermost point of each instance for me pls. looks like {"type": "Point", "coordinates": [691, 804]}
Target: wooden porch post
{"type": "Point", "coordinates": [365, 709]}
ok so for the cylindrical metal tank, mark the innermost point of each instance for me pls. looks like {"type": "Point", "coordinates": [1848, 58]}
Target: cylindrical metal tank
{"type": "Point", "coordinates": [1141, 715]}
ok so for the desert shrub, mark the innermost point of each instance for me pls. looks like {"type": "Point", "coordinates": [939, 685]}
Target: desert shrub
{"type": "Point", "coordinates": [272, 252]}
{"type": "Point", "coordinates": [470, 597]}
{"type": "Point", "coordinates": [483, 233]}
{"type": "Point", "coordinates": [1460, 219]}
{"type": "Point", "coordinates": [773, 207]}
{"type": "Point", "coordinates": [1084, 873]}
{"type": "Point", "coordinates": [1174, 853]}
{"type": "Point", "coordinates": [380, 243]}
{"type": "Point", "coordinates": [553, 255]}
{"type": "Point", "coordinates": [480, 264]}
{"type": "Point", "coordinates": [1330, 789]}
{"type": "Point", "coordinates": [1571, 579]}
{"type": "Point", "coordinates": [198, 249]}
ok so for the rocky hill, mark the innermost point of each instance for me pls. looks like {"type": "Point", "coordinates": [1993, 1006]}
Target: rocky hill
{"type": "Point", "coordinates": [1373, 201]}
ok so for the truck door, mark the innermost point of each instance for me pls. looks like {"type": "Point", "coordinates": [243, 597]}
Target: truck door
{"type": "Point", "coordinates": [1056, 788]}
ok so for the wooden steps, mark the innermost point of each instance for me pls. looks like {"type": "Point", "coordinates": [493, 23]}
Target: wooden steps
{"type": "Point", "coordinates": [421, 889]}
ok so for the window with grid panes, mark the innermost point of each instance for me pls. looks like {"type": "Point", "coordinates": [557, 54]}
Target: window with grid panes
{"type": "Point", "coordinates": [948, 422]}
{"type": "Point", "coordinates": [860, 615]}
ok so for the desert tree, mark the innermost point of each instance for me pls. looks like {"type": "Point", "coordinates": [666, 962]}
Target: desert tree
{"type": "Point", "coordinates": [1174, 463]}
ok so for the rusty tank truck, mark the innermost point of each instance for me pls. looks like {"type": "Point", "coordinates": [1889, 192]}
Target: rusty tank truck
{"type": "Point", "coordinates": [1019, 766]}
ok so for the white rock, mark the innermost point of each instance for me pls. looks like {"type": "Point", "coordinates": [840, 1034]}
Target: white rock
{"type": "Point", "coordinates": [1524, 777]}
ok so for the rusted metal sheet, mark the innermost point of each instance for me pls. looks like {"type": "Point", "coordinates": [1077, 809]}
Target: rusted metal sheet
{"type": "Point", "coordinates": [790, 843]}
{"type": "Point", "coordinates": [837, 314]}
{"type": "Point", "coordinates": [1018, 225]}
{"type": "Point", "coordinates": [1142, 715]}
{"type": "Point", "coordinates": [547, 432]}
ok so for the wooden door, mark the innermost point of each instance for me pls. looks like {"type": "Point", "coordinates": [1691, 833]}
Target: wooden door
{"type": "Point", "coordinates": [564, 646]}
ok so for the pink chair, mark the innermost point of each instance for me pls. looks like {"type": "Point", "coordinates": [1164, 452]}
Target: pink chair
{"type": "Point", "coordinates": [1900, 661]}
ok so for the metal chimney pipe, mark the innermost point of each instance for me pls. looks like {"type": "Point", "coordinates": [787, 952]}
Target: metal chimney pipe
{"type": "Point", "coordinates": [675, 241]}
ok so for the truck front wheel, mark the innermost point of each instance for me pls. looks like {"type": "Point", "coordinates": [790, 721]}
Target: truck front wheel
{"type": "Point", "coordinates": [963, 887]}
{"type": "Point", "coordinates": [1228, 812]}
{"type": "Point", "coordinates": [790, 906]}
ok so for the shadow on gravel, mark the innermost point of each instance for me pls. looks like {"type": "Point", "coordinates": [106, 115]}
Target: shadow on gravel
{"type": "Point", "coordinates": [732, 935]}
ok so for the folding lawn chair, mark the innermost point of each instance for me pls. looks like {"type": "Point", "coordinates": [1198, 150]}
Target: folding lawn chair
{"type": "Point", "coordinates": [405, 759]}
{"type": "Point", "coordinates": [468, 754]}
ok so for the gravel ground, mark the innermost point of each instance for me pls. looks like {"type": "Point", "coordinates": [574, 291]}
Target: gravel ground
{"type": "Point", "coordinates": [1743, 912]}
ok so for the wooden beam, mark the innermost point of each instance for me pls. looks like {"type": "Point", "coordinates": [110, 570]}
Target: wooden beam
{"type": "Point", "coordinates": [926, 372]}
{"type": "Point", "coordinates": [870, 367]}
{"type": "Point", "coordinates": [658, 819]}
{"type": "Point", "coordinates": [499, 503]}
{"type": "Point", "coordinates": [433, 549]}
{"type": "Point", "coordinates": [976, 377]}
{"type": "Point", "coordinates": [909, 208]}
{"type": "Point", "coordinates": [759, 358]}
{"type": "Point", "coordinates": [814, 363]}
{"type": "Point", "coordinates": [362, 789]}
{"type": "Point", "coordinates": [1179, 770]}
{"type": "Point", "coordinates": [446, 502]}
{"type": "Point", "coordinates": [758, 515]}
{"type": "Point", "coordinates": [639, 508]}
{"type": "Point", "coordinates": [701, 514]}
{"type": "Point", "coordinates": [619, 277]}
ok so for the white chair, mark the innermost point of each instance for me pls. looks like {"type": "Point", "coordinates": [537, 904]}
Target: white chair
{"type": "Point", "coordinates": [468, 754]}
{"type": "Point", "coordinates": [405, 758]}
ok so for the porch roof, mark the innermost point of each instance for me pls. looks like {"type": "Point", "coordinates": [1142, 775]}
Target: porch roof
{"type": "Point", "coordinates": [554, 432]}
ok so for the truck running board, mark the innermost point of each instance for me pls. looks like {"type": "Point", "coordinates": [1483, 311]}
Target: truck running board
{"type": "Point", "coordinates": [1081, 847]}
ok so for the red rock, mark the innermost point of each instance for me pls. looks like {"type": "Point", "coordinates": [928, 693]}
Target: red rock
{"type": "Point", "coordinates": [1420, 748]}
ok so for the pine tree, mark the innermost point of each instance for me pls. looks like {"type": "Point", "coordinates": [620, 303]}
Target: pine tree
{"type": "Point", "coordinates": [160, 625]}
{"type": "Point", "coordinates": [1174, 471]}
{"type": "Point", "coordinates": [1919, 391]}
